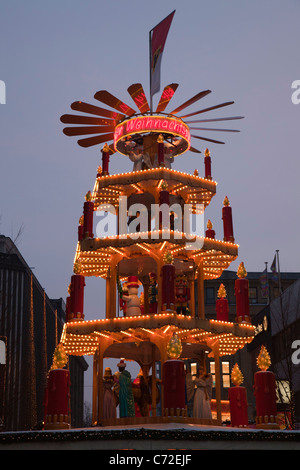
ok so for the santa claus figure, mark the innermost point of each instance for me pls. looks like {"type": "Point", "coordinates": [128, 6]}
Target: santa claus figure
{"type": "Point", "coordinates": [132, 300]}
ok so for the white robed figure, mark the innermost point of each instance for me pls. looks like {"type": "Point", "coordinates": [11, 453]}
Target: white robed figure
{"type": "Point", "coordinates": [203, 394]}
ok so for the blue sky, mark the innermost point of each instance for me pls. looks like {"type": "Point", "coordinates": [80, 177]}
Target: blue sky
{"type": "Point", "coordinates": [54, 53]}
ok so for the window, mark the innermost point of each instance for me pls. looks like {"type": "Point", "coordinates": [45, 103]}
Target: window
{"type": "Point", "coordinates": [253, 295]}
{"type": "Point", "coordinates": [210, 295]}
{"type": "Point", "coordinates": [225, 373]}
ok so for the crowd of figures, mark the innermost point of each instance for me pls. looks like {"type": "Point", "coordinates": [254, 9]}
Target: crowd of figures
{"type": "Point", "coordinates": [118, 390]}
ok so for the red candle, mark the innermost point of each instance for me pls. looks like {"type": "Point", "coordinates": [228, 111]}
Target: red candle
{"type": "Point", "coordinates": [174, 387]}
{"type": "Point", "coordinates": [241, 291]}
{"type": "Point", "coordinates": [227, 221]}
{"type": "Point", "coordinates": [238, 406]}
{"type": "Point", "coordinates": [77, 296]}
{"type": "Point", "coordinates": [160, 151]}
{"type": "Point", "coordinates": [168, 287]}
{"type": "Point", "coordinates": [80, 229]}
{"type": "Point", "coordinates": [88, 216]}
{"type": "Point", "coordinates": [57, 399]}
{"type": "Point", "coordinates": [210, 233]}
{"type": "Point", "coordinates": [265, 395]}
{"type": "Point", "coordinates": [222, 309]}
{"type": "Point", "coordinates": [164, 198]}
{"type": "Point", "coordinates": [105, 159]}
{"type": "Point", "coordinates": [207, 164]}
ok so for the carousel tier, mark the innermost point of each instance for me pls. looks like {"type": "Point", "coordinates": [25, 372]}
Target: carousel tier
{"type": "Point", "coordinates": [191, 188]}
{"type": "Point", "coordinates": [133, 337]}
{"type": "Point", "coordinates": [141, 255]}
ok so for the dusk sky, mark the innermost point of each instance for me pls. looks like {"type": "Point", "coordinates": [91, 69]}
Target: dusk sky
{"type": "Point", "coordinates": [55, 53]}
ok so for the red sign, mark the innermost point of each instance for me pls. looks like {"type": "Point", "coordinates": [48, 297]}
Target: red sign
{"type": "Point", "coordinates": [157, 124]}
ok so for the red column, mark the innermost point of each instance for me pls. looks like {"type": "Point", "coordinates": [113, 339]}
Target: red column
{"type": "Point", "coordinates": [174, 387]}
{"type": "Point", "coordinates": [238, 406]}
{"type": "Point", "coordinates": [222, 309]}
{"type": "Point", "coordinates": [80, 229]}
{"type": "Point", "coordinates": [77, 296]}
{"type": "Point", "coordinates": [265, 395]}
{"type": "Point", "coordinates": [161, 151]}
{"type": "Point", "coordinates": [227, 221]}
{"type": "Point", "coordinates": [241, 291]}
{"type": "Point", "coordinates": [168, 287]}
{"type": "Point", "coordinates": [207, 164]}
{"type": "Point", "coordinates": [105, 160]}
{"type": "Point", "coordinates": [88, 217]}
{"type": "Point", "coordinates": [164, 198]}
{"type": "Point", "coordinates": [57, 400]}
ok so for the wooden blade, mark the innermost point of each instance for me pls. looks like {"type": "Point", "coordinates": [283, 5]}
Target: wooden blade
{"type": "Point", "coordinates": [208, 140]}
{"type": "Point", "coordinates": [91, 109]}
{"type": "Point", "coordinates": [191, 101]}
{"type": "Point", "coordinates": [137, 93]}
{"type": "Point", "coordinates": [192, 149]}
{"type": "Point", "coordinates": [87, 130]}
{"type": "Point", "coordinates": [208, 109]}
{"type": "Point", "coordinates": [74, 119]}
{"type": "Point", "coordinates": [110, 100]}
{"type": "Point", "coordinates": [166, 97]}
{"type": "Point", "coordinates": [215, 120]}
{"type": "Point", "coordinates": [99, 139]}
{"type": "Point", "coordinates": [210, 129]}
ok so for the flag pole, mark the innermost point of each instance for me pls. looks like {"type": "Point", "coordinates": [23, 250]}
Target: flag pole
{"type": "Point", "coordinates": [150, 64]}
{"type": "Point", "coordinates": [266, 263]}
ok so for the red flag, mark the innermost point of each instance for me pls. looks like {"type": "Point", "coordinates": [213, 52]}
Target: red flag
{"type": "Point", "coordinates": [157, 44]}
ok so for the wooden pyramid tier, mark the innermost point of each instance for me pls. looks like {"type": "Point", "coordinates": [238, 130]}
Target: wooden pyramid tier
{"type": "Point", "coordinates": [145, 185]}
{"type": "Point", "coordinates": [133, 337]}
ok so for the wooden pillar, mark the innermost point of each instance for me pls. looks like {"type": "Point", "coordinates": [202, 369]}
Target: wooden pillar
{"type": "Point", "coordinates": [218, 380]}
{"type": "Point", "coordinates": [200, 290]}
{"type": "Point", "coordinates": [153, 382]}
{"type": "Point", "coordinates": [100, 384]}
{"type": "Point", "coordinates": [159, 285]}
{"type": "Point", "coordinates": [107, 298]}
{"type": "Point", "coordinates": [113, 290]}
{"type": "Point", "coordinates": [95, 389]}
{"type": "Point", "coordinates": [191, 282]}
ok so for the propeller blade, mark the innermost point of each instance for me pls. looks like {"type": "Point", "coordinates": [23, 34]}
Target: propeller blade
{"type": "Point", "coordinates": [191, 101]}
{"type": "Point", "coordinates": [166, 97]}
{"type": "Point", "coordinates": [87, 130]}
{"type": "Point", "coordinates": [192, 149]}
{"type": "Point", "coordinates": [208, 109]}
{"type": "Point", "coordinates": [91, 109]}
{"type": "Point", "coordinates": [215, 120]}
{"type": "Point", "coordinates": [210, 129]}
{"type": "Point", "coordinates": [110, 100]}
{"type": "Point", "coordinates": [137, 93]}
{"type": "Point", "coordinates": [208, 140]}
{"type": "Point", "coordinates": [99, 139]}
{"type": "Point", "coordinates": [73, 119]}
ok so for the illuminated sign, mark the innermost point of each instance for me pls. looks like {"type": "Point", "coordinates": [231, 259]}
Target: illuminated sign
{"type": "Point", "coordinates": [147, 124]}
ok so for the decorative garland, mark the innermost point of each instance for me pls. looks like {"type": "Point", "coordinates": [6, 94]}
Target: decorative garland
{"type": "Point", "coordinates": [146, 434]}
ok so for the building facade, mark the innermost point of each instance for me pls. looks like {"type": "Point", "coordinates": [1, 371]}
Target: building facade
{"type": "Point", "coordinates": [30, 328]}
{"type": "Point", "coordinates": [260, 317]}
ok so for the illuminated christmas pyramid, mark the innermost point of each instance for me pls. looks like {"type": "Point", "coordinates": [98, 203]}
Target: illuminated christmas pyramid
{"type": "Point", "coordinates": [152, 251]}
